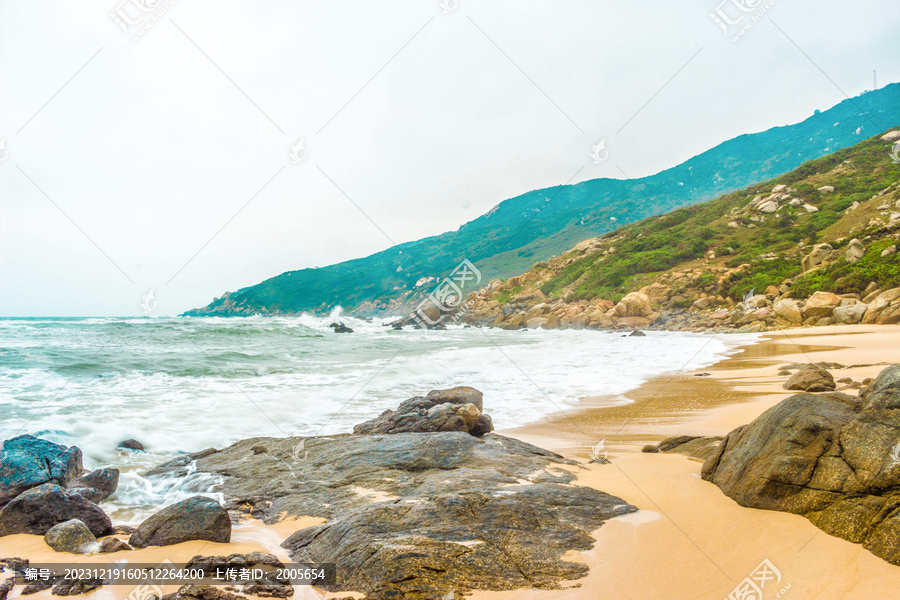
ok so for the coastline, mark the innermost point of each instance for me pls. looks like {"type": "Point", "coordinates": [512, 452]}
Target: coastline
{"type": "Point", "coordinates": [689, 540]}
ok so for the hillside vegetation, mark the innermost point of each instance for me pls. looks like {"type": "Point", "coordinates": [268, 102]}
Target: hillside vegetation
{"type": "Point", "coordinates": [542, 223]}
{"type": "Point", "coordinates": [830, 226]}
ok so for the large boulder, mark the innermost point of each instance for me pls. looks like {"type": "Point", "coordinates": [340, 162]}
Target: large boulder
{"type": "Point", "coordinates": [635, 304]}
{"type": "Point", "coordinates": [810, 378]}
{"type": "Point", "coordinates": [456, 409]}
{"type": "Point", "coordinates": [39, 509]}
{"type": "Point", "coordinates": [100, 484]}
{"type": "Point", "coordinates": [821, 304]}
{"type": "Point", "coordinates": [855, 251]}
{"type": "Point", "coordinates": [884, 309]}
{"type": "Point", "coordinates": [27, 462]}
{"type": "Point", "coordinates": [849, 315]}
{"type": "Point", "coordinates": [831, 457]}
{"type": "Point", "coordinates": [788, 310]}
{"type": "Point", "coordinates": [72, 536]}
{"type": "Point", "coordinates": [197, 518]}
{"type": "Point", "coordinates": [819, 255]}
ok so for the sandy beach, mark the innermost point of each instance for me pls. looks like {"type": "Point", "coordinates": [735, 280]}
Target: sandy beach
{"type": "Point", "coordinates": [689, 540]}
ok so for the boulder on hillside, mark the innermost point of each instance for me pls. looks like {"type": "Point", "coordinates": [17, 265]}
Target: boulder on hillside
{"type": "Point", "coordinates": [38, 509]}
{"type": "Point", "coordinates": [855, 251]}
{"type": "Point", "coordinates": [884, 309]}
{"type": "Point", "coordinates": [456, 409]}
{"type": "Point", "coordinates": [27, 462]}
{"type": "Point", "coordinates": [634, 304]}
{"type": "Point", "coordinates": [821, 304]}
{"type": "Point", "coordinates": [820, 254]}
{"type": "Point", "coordinates": [71, 536]}
{"type": "Point", "coordinates": [832, 458]}
{"type": "Point", "coordinates": [788, 310]}
{"type": "Point", "coordinates": [103, 481]}
{"type": "Point", "coordinates": [849, 315]}
{"type": "Point", "coordinates": [197, 518]}
{"type": "Point", "coordinates": [810, 378]}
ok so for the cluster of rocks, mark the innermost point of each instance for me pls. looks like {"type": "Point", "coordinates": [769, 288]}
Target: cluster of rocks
{"type": "Point", "coordinates": [421, 501]}
{"type": "Point", "coordinates": [456, 409]}
{"type": "Point", "coordinates": [45, 490]}
{"type": "Point", "coordinates": [831, 457]}
{"type": "Point", "coordinates": [779, 200]}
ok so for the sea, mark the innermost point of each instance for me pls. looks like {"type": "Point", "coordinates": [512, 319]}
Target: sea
{"type": "Point", "coordinates": [182, 384]}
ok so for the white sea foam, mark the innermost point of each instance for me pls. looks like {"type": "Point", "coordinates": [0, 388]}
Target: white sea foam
{"type": "Point", "coordinates": [182, 385]}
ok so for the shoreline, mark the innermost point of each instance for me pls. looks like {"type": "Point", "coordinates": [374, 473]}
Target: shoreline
{"type": "Point", "coordinates": [689, 540]}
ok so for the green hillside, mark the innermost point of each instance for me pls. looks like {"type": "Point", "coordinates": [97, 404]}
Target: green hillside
{"type": "Point", "coordinates": [543, 223]}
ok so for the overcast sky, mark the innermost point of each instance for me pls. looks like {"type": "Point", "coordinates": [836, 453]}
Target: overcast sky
{"type": "Point", "coordinates": [132, 158]}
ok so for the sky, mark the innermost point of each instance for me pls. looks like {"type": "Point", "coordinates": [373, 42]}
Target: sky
{"type": "Point", "coordinates": [192, 147]}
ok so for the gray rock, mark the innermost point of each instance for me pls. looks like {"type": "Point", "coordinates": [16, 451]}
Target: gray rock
{"type": "Point", "coordinates": [6, 587]}
{"type": "Point", "coordinates": [109, 545]}
{"type": "Point", "coordinates": [40, 508]}
{"type": "Point", "coordinates": [103, 481]}
{"type": "Point", "coordinates": [197, 518]}
{"type": "Point", "coordinates": [27, 462]}
{"type": "Point", "coordinates": [72, 536]}
{"type": "Point", "coordinates": [819, 255]}
{"type": "Point", "coordinates": [131, 445]}
{"type": "Point", "coordinates": [810, 378]}
{"type": "Point", "coordinates": [833, 458]}
{"type": "Point", "coordinates": [456, 409]}
{"type": "Point", "coordinates": [849, 315]}
{"type": "Point", "coordinates": [855, 251]}
{"type": "Point", "coordinates": [401, 506]}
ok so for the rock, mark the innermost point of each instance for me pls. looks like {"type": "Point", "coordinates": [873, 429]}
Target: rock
{"type": "Point", "coordinates": [196, 518]}
{"type": "Point", "coordinates": [40, 508]}
{"type": "Point", "coordinates": [889, 251]}
{"type": "Point", "coordinates": [779, 188]}
{"type": "Point", "coordinates": [131, 445]}
{"type": "Point", "coordinates": [27, 462]}
{"type": "Point", "coordinates": [637, 333]}
{"type": "Point", "coordinates": [71, 536]}
{"type": "Point", "coordinates": [340, 328]}
{"type": "Point", "coordinates": [832, 458]}
{"type": "Point", "coordinates": [810, 378]}
{"type": "Point", "coordinates": [788, 310]}
{"type": "Point", "coordinates": [855, 251]}
{"type": "Point", "coordinates": [483, 425]}
{"type": "Point", "coordinates": [849, 315]}
{"type": "Point", "coordinates": [810, 208]}
{"type": "Point", "coordinates": [75, 587]}
{"type": "Point", "coordinates": [884, 309]}
{"type": "Point", "coordinates": [181, 466]}
{"type": "Point", "coordinates": [202, 592]}
{"type": "Point", "coordinates": [820, 254]}
{"type": "Point", "coordinates": [635, 304]}
{"type": "Point", "coordinates": [891, 136]}
{"type": "Point", "coordinates": [700, 304]}
{"type": "Point", "coordinates": [104, 481]}
{"type": "Point", "coordinates": [821, 304]}
{"type": "Point", "coordinates": [456, 409]}
{"type": "Point", "coordinates": [768, 207]}
{"type": "Point", "coordinates": [6, 587]}
{"type": "Point", "coordinates": [690, 445]}
{"type": "Point", "coordinates": [108, 545]}
{"type": "Point", "coordinates": [826, 189]}
{"type": "Point", "coordinates": [266, 586]}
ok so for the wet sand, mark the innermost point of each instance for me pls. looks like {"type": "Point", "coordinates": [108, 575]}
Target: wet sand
{"type": "Point", "coordinates": [689, 541]}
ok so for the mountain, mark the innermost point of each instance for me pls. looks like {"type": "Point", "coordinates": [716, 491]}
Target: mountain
{"type": "Point", "coordinates": [817, 246]}
{"type": "Point", "coordinates": [543, 223]}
